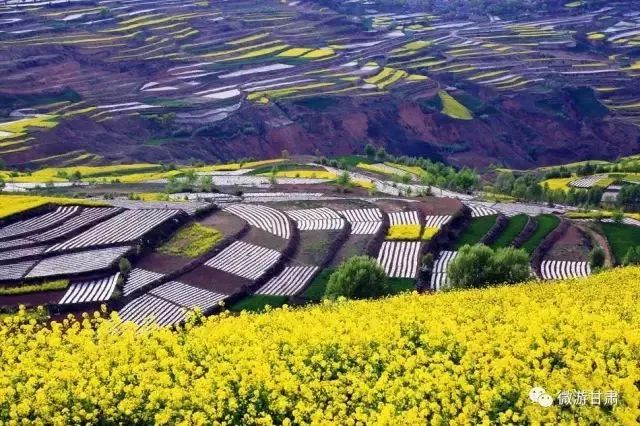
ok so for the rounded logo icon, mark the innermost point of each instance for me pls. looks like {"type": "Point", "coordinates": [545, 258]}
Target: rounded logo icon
{"type": "Point", "coordinates": [536, 393]}
{"type": "Point", "coordinates": [545, 400]}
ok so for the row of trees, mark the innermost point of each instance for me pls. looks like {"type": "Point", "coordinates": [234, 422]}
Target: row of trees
{"type": "Point", "coordinates": [434, 173]}
{"type": "Point", "coordinates": [475, 266]}
{"type": "Point", "coordinates": [529, 187]}
{"type": "Point", "coordinates": [190, 182]}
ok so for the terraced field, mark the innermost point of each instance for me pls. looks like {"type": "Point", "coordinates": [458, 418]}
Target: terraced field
{"type": "Point", "coordinates": [216, 80]}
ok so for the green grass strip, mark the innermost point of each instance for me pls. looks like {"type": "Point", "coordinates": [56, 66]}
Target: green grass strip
{"type": "Point", "coordinates": [476, 230]}
{"type": "Point", "coordinates": [546, 224]}
{"type": "Point", "coordinates": [621, 238]}
{"type": "Point", "coordinates": [514, 227]}
{"type": "Point", "coordinates": [258, 303]}
{"type": "Point", "coordinates": [34, 288]}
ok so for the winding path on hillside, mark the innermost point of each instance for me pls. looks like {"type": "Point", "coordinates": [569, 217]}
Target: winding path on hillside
{"type": "Point", "coordinates": [602, 241]}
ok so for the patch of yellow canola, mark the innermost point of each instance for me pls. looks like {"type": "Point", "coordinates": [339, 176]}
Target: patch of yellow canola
{"type": "Point", "coordinates": [465, 357]}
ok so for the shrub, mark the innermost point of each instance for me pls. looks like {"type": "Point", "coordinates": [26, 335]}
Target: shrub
{"type": "Point", "coordinates": [125, 267]}
{"type": "Point", "coordinates": [34, 288]}
{"type": "Point", "coordinates": [479, 265]}
{"type": "Point", "coordinates": [596, 258]}
{"type": "Point", "coordinates": [359, 277]}
{"type": "Point", "coordinates": [632, 257]}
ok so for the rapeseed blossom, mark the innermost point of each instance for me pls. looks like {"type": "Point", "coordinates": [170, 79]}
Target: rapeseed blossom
{"type": "Point", "coordinates": [467, 357]}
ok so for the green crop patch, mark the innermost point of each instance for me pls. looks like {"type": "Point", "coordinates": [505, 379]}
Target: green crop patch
{"type": "Point", "coordinates": [546, 224]}
{"type": "Point", "coordinates": [621, 238]}
{"type": "Point", "coordinates": [477, 229]}
{"type": "Point", "coordinates": [514, 227]}
{"type": "Point", "coordinates": [193, 241]}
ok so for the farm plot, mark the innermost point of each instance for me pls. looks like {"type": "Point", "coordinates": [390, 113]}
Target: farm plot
{"type": "Point", "coordinates": [21, 253]}
{"type": "Point", "coordinates": [139, 278]}
{"type": "Point", "coordinates": [574, 245]}
{"type": "Point", "coordinates": [515, 225]}
{"type": "Point", "coordinates": [621, 237]}
{"type": "Point", "coordinates": [436, 221]}
{"type": "Point", "coordinates": [546, 224]}
{"type": "Point", "coordinates": [77, 263]}
{"type": "Point", "coordinates": [262, 217]}
{"type": "Point", "coordinates": [148, 309]}
{"type": "Point", "coordinates": [404, 218]}
{"type": "Point", "coordinates": [289, 282]}
{"type": "Point", "coordinates": [187, 296]}
{"type": "Point", "coordinates": [321, 219]}
{"type": "Point", "coordinates": [18, 242]}
{"type": "Point", "coordinates": [125, 227]}
{"type": "Point", "coordinates": [189, 207]}
{"type": "Point", "coordinates": [477, 229]}
{"type": "Point", "coordinates": [364, 221]}
{"type": "Point", "coordinates": [439, 276]}
{"type": "Point", "coordinates": [87, 217]}
{"type": "Point", "coordinates": [245, 260]}
{"type": "Point", "coordinates": [481, 211]}
{"type": "Point", "coordinates": [98, 290]}
{"type": "Point", "coordinates": [399, 259]}
{"type": "Point", "coordinates": [31, 226]}
{"type": "Point", "coordinates": [15, 271]}
{"type": "Point", "coordinates": [562, 270]}
{"type": "Point", "coordinates": [587, 182]}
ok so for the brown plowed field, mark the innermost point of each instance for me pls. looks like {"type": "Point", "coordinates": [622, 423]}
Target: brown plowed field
{"type": "Point", "coordinates": [574, 245]}
{"type": "Point", "coordinates": [214, 280]}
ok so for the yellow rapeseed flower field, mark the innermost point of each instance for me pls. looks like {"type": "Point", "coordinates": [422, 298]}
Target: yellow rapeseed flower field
{"type": "Point", "coordinates": [404, 232]}
{"type": "Point", "coordinates": [12, 204]}
{"type": "Point", "coordinates": [456, 358]}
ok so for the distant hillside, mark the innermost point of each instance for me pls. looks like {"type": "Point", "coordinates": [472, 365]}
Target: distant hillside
{"type": "Point", "coordinates": [473, 83]}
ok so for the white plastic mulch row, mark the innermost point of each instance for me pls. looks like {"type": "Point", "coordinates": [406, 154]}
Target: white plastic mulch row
{"type": "Point", "coordinates": [289, 282]}
{"type": "Point", "coordinates": [187, 295]}
{"type": "Point", "coordinates": [123, 228]}
{"type": "Point", "coordinates": [75, 263]}
{"type": "Point", "coordinates": [587, 182]}
{"type": "Point", "coordinates": [562, 270]}
{"type": "Point", "coordinates": [20, 253]}
{"type": "Point", "coordinates": [87, 216]}
{"type": "Point", "coordinates": [399, 259]}
{"type": "Point", "coordinates": [317, 219]}
{"type": "Point", "coordinates": [363, 221]}
{"type": "Point", "coordinates": [138, 278]}
{"type": "Point", "coordinates": [90, 291]}
{"type": "Point", "coordinates": [404, 218]}
{"type": "Point", "coordinates": [190, 207]}
{"type": "Point", "coordinates": [481, 211]}
{"type": "Point", "coordinates": [34, 224]}
{"type": "Point", "coordinates": [263, 217]}
{"type": "Point", "coordinates": [15, 271]}
{"type": "Point", "coordinates": [151, 309]}
{"type": "Point", "coordinates": [245, 260]}
{"type": "Point", "coordinates": [436, 221]}
{"type": "Point", "coordinates": [439, 276]}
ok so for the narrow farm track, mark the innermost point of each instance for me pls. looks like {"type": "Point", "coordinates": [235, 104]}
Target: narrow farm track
{"type": "Point", "coordinates": [602, 241]}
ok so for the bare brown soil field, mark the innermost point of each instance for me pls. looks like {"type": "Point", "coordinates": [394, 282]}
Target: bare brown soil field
{"type": "Point", "coordinates": [162, 263]}
{"type": "Point", "coordinates": [265, 239]}
{"type": "Point", "coordinates": [32, 299]}
{"type": "Point", "coordinates": [434, 206]}
{"type": "Point", "coordinates": [214, 280]}
{"type": "Point", "coordinates": [224, 222]}
{"type": "Point", "coordinates": [573, 245]}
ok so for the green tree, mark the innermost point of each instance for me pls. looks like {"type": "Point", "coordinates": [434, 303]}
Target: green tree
{"type": "Point", "coordinates": [596, 258]}
{"type": "Point", "coordinates": [359, 277]}
{"type": "Point", "coordinates": [344, 179]}
{"type": "Point", "coordinates": [632, 257]}
{"type": "Point", "coordinates": [479, 265]}
{"type": "Point", "coordinates": [369, 151]}
{"type": "Point", "coordinates": [125, 266]}
{"type": "Point", "coordinates": [381, 154]}
{"type": "Point", "coordinates": [618, 216]}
